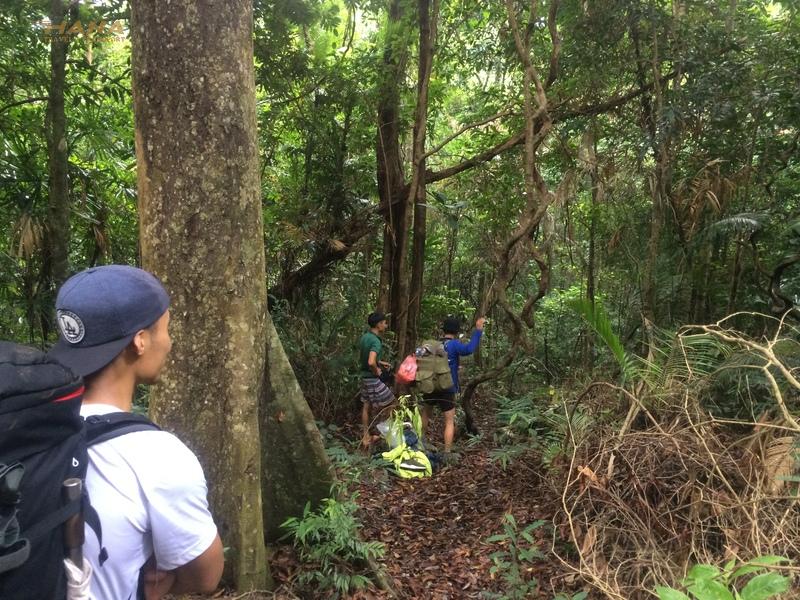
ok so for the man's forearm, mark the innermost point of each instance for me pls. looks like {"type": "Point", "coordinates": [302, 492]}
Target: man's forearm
{"type": "Point", "coordinates": [202, 574]}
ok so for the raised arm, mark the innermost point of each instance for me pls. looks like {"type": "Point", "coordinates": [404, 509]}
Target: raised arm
{"type": "Point", "coordinates": [474, 340]}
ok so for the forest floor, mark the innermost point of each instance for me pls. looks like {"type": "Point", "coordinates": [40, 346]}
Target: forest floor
{"type": "Point", "coordinates": [436, 530]}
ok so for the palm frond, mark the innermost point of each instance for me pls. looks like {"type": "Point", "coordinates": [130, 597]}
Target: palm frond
{"type": "Point", "coordinates": [695, 356]}
{"type": "Point", "coordinates": [743, 223]}
{"type": "Point", "coordinates": [596, 317]}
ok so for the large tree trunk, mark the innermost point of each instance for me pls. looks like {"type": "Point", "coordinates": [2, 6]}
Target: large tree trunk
{"type": "Point", "coordinates": [417, 272]}
{"type": "Point", "coordinates": [656, 217]}
{"type": "Point", "coordinates": [428, 16]}
{"type": "Point", "coordinates": [661, 140]}
{"type": "Point", "coordinates": [58, 231]}
{"type": "Point", "coordinates": [296, 467]}
{"type": "Point", "coordinates": [391, 183]}
{"type": "Point", "coordinates": [385, 281]}
{"type": "Point", "coordinates": [202, 234]}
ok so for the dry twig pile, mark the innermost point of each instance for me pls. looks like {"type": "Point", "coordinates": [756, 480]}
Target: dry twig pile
{"type": "Point", "coordinates": [644, 505]}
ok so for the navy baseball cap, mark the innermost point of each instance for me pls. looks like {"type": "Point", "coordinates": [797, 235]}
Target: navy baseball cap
{"type": "Point", "coordinates": [374, 318]}
{"type": "Point", "coordinates": [100, 310]}
{"type": "Point", "coordinates": [451, 325]}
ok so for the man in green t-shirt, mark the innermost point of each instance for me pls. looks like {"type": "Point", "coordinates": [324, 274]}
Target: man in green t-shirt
{"type": "Point", "coordinates": [376, 397]}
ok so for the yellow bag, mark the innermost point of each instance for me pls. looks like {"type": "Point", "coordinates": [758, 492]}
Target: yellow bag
{"type": "Point", "coordinates": [408, 463]}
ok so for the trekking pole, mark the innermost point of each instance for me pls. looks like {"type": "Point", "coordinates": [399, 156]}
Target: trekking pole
{"type": "Point", "coordinates": [71, 491]}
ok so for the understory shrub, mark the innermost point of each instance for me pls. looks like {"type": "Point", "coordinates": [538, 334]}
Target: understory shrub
{"type": "Point", "coordinates": [512, 563]}
{"type": "Point", "coordinates": [707, 582]}
{"type": "Point", "coordinates": [327, 540]}
{"type": "Point", "coordinates": [536, 421]}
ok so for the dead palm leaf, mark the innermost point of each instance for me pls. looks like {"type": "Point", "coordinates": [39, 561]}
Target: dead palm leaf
{"type": "Point", "coordinates": [27, 236]}
{"type": "Point", "coordinates": [779, 463]}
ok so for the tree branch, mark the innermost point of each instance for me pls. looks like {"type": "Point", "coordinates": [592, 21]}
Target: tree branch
{"type": "Point", "coordinates": [327, 253]}
{"type": "Point", "coordinates": [552, 26]}
{"type": "Point", "coordinates": [559, 114]}
{"type": "Point", "coordinates": [23, 101]}
{"type": "Point", "coordinates": [464, 129]}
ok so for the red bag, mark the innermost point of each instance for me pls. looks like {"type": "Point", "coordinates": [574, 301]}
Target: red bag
{"type": "Point", "coordinates": [407, 371]}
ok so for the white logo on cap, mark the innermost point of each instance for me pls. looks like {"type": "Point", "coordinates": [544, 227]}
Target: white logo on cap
{"type": "Point", "coordinates": [71, 326]}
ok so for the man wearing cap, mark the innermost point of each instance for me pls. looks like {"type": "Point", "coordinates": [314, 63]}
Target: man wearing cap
{"type": "Point", "coordinates": [375, 394]}
{"type": "Point", "coordinates": [446, 401]}
{"type": "Point", "coordinates": [147, 486]}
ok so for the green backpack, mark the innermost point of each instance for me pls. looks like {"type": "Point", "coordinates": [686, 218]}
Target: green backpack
{"type": "Point", "coordinates": [433, 368]}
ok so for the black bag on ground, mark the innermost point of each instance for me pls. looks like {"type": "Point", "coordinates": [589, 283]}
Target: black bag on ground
{"type": "Point", "coordinates": [387, 376]}
{"type": "Point", "coordinates": [43, 442]}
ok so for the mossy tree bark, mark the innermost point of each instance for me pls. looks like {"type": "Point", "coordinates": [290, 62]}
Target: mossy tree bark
{"type": "Point", "coordinates": [428, 17]}
{"type": "Point", "coordinates": [392, 192]}
{"type": "Point", "coordinates": [296, 467]}
{"type": "Point", "coordinates": [202, 234]}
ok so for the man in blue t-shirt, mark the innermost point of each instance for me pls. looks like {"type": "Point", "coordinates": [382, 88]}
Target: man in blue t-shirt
{"type": "Point", "coordinates": [446, 401]}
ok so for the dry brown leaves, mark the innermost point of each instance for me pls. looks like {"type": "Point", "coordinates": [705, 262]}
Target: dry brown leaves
{"type": "Point", "coordinates": [644, 507]}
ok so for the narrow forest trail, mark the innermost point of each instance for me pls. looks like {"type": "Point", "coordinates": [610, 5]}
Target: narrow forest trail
{"type": "Point", "coordinates": [435, 530]}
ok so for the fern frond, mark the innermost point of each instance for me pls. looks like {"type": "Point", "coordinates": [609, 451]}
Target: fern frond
{"type": "Point", "coordinates": [695, 356]}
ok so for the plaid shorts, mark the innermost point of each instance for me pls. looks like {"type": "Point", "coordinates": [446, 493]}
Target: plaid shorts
{"type": "Point", "coordinates": [375, 392]}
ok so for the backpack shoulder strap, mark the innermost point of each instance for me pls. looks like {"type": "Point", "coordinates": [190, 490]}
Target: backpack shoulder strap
{"type": "Point", "coordinates": [92, 519]}
{"type": "Point", "coordinates": [101, 428]}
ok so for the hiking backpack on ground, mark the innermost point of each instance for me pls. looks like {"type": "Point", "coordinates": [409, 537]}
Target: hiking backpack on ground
{"type": "Point", "coordinates": [43, 442]}
{"type": "Point", "coordinates": [406, 455]}
{"type": "Point", "coordinates": [433, 368]}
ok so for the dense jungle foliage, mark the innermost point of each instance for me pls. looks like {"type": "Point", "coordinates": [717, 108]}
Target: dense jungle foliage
{"type": "Point", "coordinates": [638, 263]}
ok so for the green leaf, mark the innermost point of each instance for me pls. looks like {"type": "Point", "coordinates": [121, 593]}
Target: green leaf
{"type": "Point", "coordinates": [757, 564]}
{"type": "Point", "coordinates": [765, 586]}
{"type": "Point", "coordinates": [710, 589]}
{"type": "Point", "coordinates": [597, 319]}
{"type": "Point", "coordinates": [699, 573]}
{"type": "Point", "coordinates": [526, 534]}
{"type": "Point", "coordinates": [665, 593]}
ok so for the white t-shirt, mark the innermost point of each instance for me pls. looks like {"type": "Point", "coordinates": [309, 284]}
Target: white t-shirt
{"type": "Point", "coordinates": [150, 493]}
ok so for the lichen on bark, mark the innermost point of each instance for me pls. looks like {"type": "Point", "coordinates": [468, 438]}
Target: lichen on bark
{"type": "Point", "coordinates": [201, 230]}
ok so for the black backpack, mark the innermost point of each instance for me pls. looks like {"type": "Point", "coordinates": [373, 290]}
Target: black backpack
{"type": "Point", "coordinates": [43, 442]}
